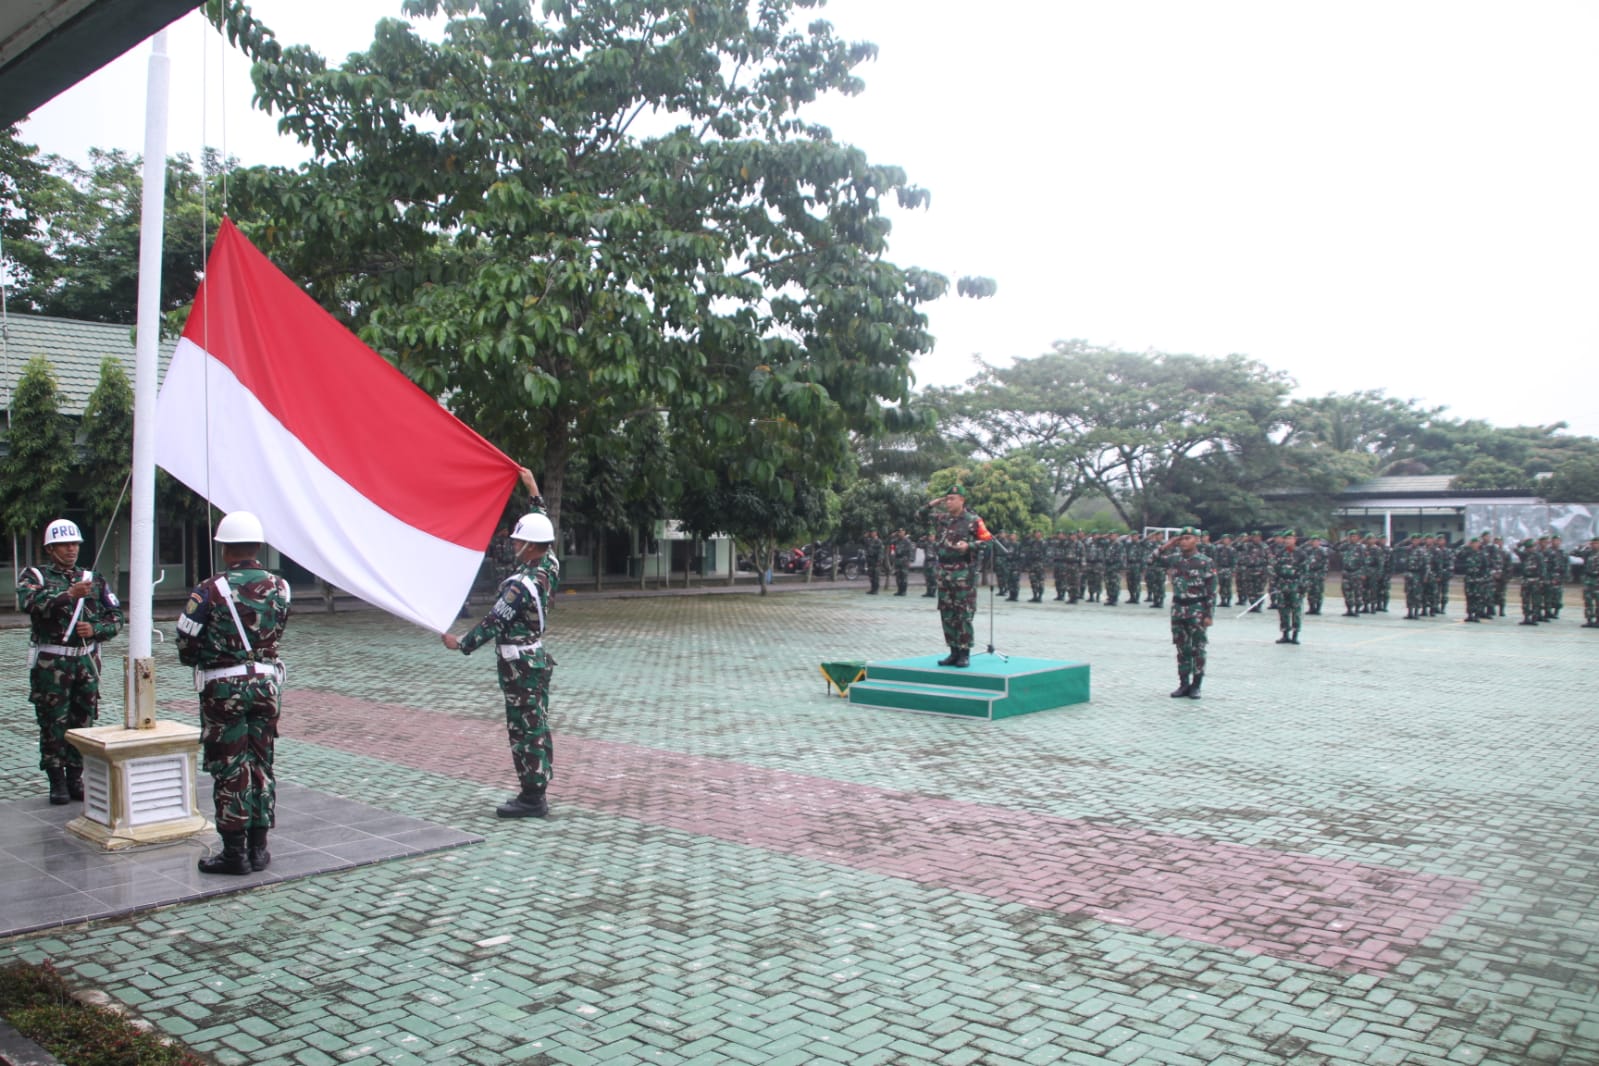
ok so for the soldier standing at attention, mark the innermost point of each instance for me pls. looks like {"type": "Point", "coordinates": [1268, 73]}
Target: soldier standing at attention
{"type": "Point", "coordinates": [1477, 581]}
{"type": "Point", "coordinates": [1057, 563]}
{"type": "Point", "coordinates": [1032, 560]}
{"type": "Point", "coordinates": [1074, 566]}
{"type": "Point", "coordinates": [902, 549]}
{"type": "Point", "coordinates": [1531, 581]}
{"type": "Point", "coordinates": [1379, 565]}
{"type": "Point", "coordinates": [1554, 578]}
{"type": "Point", "coordinates": [874, 559]}
{"type": "Point", "coordinates": [1499, 567]}
{"type": "Point", "coordinates": [229, 633]}
{"type": "Point", "coordinates": [517, 624]}
{"type": "Point", "coordinates": [1288, 567]}
{"type": "Point", "coordinates": [1115, 563]}
{"type": "Point", "coordinates": [1138, 551]}
{"type": "Point", "coordinates": [1094, 565]}
{"type": "Point", "coordinates": [1352, 557]}
{"type": "Point", "coordinates": [70, 611]}
{"type": "Point", "coordinates": [1443, 560]}
{"type": "Point", "coordinates": [1224, 556]}
{"type": "Point", "coordinates": [1193, 602]}
{"type": "Point", "coordinates": [1590, 583]}
{"type": "Point", "coordinates": [1013, 556]}
{"type": "Point", "coordinates": [1316, 552]}
{"type": "Point", "coordinates": [959, 533]}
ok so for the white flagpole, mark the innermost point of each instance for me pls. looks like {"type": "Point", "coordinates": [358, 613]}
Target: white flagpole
{"type": "Point", "coordinates": [140, 687]}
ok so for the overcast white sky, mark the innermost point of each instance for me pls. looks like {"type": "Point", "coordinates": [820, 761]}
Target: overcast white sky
{"type": "Point", "coordinates": [1370, 194]}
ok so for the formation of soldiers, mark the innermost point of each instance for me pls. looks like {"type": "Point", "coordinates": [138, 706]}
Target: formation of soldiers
{"type": "Point", "coordinates": [1090, 567]}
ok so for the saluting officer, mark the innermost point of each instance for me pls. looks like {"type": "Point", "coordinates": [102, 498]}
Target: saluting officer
{"type": "Point", "coordinates": [70, 611]}
{"type": "Point", "coordinates": [959, 533]}
{"type": "Point", "coordinates": [1193, 607]}
{"type": "Point", "coordinates": [517, 623]}
{"type": "Point", "coordinates": [229, 633]}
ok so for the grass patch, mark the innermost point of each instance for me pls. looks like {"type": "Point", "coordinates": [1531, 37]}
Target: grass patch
{"type": "Point", "coordinates": [40, 1006]}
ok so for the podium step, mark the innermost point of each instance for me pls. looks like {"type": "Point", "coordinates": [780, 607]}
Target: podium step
{"type": "Point", "coordinates": [992, 687]}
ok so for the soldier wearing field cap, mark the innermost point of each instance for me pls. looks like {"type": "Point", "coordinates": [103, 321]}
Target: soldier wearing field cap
{"type": "Point", "coordinates": [1193, 605]}
{"type": "Point", "coordinates": [70, 611]}
{"type": "Point", "coordinates": [229, 633]}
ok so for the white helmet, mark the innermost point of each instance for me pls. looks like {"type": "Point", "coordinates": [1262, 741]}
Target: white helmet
{"type": "Point", "coordinates": [62, 531]}
{"type": "Point", "coordinates": [239, 527]}
{"type": "Point", "coordinates": [535, 528]}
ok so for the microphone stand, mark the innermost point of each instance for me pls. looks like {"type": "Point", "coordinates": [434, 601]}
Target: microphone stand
{"type": "Point", "coordinates": [1001, 655]}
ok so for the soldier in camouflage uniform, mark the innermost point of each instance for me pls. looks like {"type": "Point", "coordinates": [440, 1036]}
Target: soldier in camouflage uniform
{"type": "Point", "coordinates": [1499, 565]}
{"type": "Point", "coordinates": [1003, 562]}
{"type": "Point", "coordinates": [517, 624]}
{"type": "Point", "coordinates": [1443, 564]}
{"type": "Point", "coordinates": [1531, 581]}
{"type": "Point", "coordinates": [229, 633]}
{"type": "Point", "coordinates": [1289, 564]}
{"type": "Point", "coordinates": [1225, 557]}
{"type": "Point", "coordinates": [70, 611]}
{"type": "Point", "coordinates": [1352, 557]}
{"type": "Point", "coordinates": [1380, 571]}
{"type": "Point", "coordinates": [1094, 566]}
{"type": "Point", "coordinates": [1115, 563]}
{"type": "Point", "coordinates": [1416, 560]}
{"type": "Point", "coordinates": [1477, 580]}
{"type": "Point", "coordinates": [1033, 556]}
{"type": "Point", "coordinates": [1057, 557]}
{"type": "Point", "coordinates": [1590, 583]}
{"type": "Point", "coordinates": [874, 560]}
{"type": "Point", "coordinates": [1318, 554]}
{"type": "Point", "coordinates": [1193, 603]}
{"type": "Point", "coordinates": [1554, 578]}
{"type": "Point", "coordinates": [901, 550]}
{"type": "Point", "coordinates": [959, 534]}
{"type": "Point", "coordinates": [1013, 553]}
{"type": "Point", "coordinates": [1074, 566]}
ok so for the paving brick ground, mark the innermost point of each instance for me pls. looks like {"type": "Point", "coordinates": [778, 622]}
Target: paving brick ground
{"type": "Point", "coordinates": [1376, 847]}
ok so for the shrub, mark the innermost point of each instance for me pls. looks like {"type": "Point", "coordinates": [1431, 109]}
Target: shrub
{"type": "Point", "coordinates": [40, 1006]}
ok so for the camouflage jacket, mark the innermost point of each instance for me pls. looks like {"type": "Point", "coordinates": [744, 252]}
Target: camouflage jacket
{"type": "Point", "coordinates": [1193, 584]}
{"type": "Point", "coordinates": [43, 593]}
{"type": "Point", "coordinates": [209, 638]}
{"type": "Point", "coordinates": [520, 614]}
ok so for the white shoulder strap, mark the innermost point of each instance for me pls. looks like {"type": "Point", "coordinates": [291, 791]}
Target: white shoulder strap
{"type": "Point", "coordinates": [533, 590]}
{"type": "Point", "coordinates": [225, 590]}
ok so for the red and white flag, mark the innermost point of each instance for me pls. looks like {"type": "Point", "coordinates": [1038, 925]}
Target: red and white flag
{"type": "Point", "coordinates": [270, 405]}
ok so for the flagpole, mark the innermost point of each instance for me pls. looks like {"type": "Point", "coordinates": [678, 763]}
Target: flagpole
{"type": "Point", "coordinates": [140, 683]}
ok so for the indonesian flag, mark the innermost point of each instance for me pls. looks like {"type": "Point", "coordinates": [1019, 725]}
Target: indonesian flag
{"type": "Point", "coordinates": [271, 406]}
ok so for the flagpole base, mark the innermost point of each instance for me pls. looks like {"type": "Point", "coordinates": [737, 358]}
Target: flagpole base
{"type": "Point", "coordinates": [138, 784]}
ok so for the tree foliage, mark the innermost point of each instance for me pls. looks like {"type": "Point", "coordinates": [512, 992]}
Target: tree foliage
{"type": "Point", "coordinates": [33, 475]}
{"type": "Point", "coordinates": [563, 220]}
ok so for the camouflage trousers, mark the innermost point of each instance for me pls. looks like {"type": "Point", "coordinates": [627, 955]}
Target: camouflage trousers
{"type": "Point", "coordinates": [65, 693]}
{"type": "Point", "coordinates": [525, 681]}
{"type": "Point", "coordinates": [1113, 585]}
{"type": "Point", "coordinates": [1224, 587]}
{"type": "Point", "coordinates": [1189, 634]}
{"type": "Point", "coordinates": [1288, 602]}
{"type": "Point", "coordinates": [1531, 600]}
{"type": "Point", "coordinates": [1062, 582]}
{"type": "Point", "coordinates": [1135, 582]}
{"type": "Point", "coordinates": [1093, 580]}
{"type": "Point", "coordinates": [1035, 579]}
{"type": "Point", "coordinates": [957, 603]}
{"type": "Point", "coordinates": [1415, 593]}
{"type": "Point", "coordinates": [1441, 592]}
{"type": "Point", "coordinates": [1554, 594]}
{"type": "Point", "coordinates": [930, 576]}
{"type": "Point", "coordinates": [238, 737]}
{"type": "Point", "coordinates": [1479, 597]}
{"type": "Point", "coordinates": [1315, 591]}
{"type": "Point", "coordinates": [1590, 601]}
{"type": "Point", "coordinates": [1353, 588]}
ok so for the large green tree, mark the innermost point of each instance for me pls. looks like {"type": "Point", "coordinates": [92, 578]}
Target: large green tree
{"type": "Point", "coordinates": [33, 474]}
{"type": "Point", "coordinates": [563, 219]}
{"type": "Point", "coordinates": [107, 451]}
{"type": "Point", "coordinates": [30, 195]}
{"type": "Point", "coordinates": [1120, 425]}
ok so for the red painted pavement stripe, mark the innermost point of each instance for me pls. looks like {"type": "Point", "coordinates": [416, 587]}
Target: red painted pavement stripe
{"type": "Point", "coordinates": [1336, 914]}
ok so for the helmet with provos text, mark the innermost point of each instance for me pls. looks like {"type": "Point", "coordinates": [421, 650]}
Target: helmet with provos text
{"type": "Point", "coordinates": [240, 527]}
{"type": "Point", "coordinates": [62, 531]}
{"type": "Point", "coordinates": [534, 528]}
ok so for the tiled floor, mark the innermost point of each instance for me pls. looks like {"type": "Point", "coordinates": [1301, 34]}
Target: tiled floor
{"type": "Point", "coordinates": [1376, 847]}
{"type": "Point", "coordinates": [51, 877]}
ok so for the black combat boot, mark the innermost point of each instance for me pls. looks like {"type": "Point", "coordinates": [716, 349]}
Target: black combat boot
{"type": "Point", "coordinates": [260, 857]}
{"type": "Point", "coordinates": [529, 803]}
{"type": "Point", "coordinates": [963, 657]}
{"type": "Point", "coordinates": [232, 859]}
{"type": "Point", "coordinates": [75, 782]}
{"type": "Point", "coordinates": [58, 786]}
{"type": "Point", "coordinates": [1012, 596]}
{"type": "Point", "coordinates": [1284, 638]}
{"type": "Point", "coordinates": [949, 660]}
{"type": "Point", "coordinates": [1182, 689]}
{"type": "Point", "coordinates": [1293, 638]}
{"type": "Point", "coordinates": [930, 593]}
{"type": "Point", "coordinates": [1193, 690]}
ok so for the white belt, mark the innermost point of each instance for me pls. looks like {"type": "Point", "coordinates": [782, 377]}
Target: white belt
{"type": "Point", "coordinates": [268, 669]}
{"type": "Point", "coordinates": [62, 649]}
{"type": "Point", "coordinates": [516, 651]}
